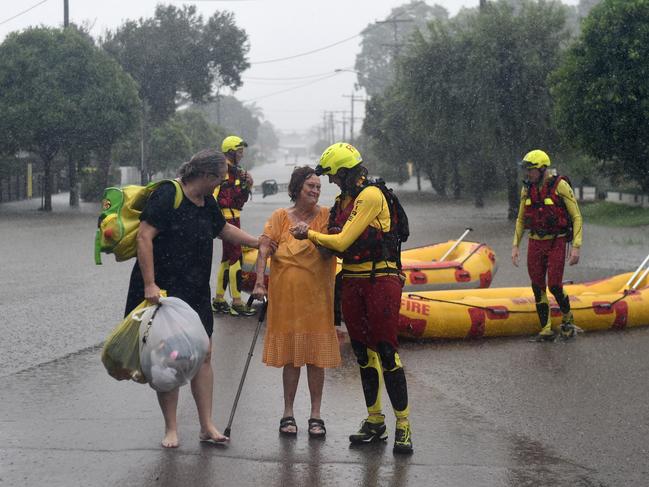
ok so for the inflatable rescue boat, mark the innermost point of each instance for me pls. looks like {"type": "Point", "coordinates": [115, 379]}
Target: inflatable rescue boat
{"type": "Point", "coordinates": [617, 302]}
{"type": "Point", "coordinates": [446, 265]}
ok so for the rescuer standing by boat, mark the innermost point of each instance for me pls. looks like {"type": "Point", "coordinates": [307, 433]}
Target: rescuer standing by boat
{"type": "Point", "coordinates": [549, 210]}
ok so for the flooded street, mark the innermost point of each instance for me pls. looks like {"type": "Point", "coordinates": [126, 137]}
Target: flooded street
{"type": "Point", "coordinates": [493, 412]}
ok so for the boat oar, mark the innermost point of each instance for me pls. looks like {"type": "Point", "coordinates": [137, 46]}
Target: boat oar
{"type": "Point", "coordinates": [641, 278]}
{"type": "Point", "coordinates": [637, 271]}
{"type": "Point", "coordinates": [457, 242]}
{"type": "Point", "coordinates": [262, 316]}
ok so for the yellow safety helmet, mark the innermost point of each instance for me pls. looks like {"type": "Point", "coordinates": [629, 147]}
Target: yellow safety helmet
{"type": "Point", "coordinates": [536, 159]}
{"type": "Point", "coordinates": [232, 143]}
{"type": "Point", "coordinates": [337, 156]}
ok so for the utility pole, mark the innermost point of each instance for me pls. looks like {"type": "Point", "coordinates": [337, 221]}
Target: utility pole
{"type": "Point", "coordinates": [353, 99]}
{"type": "Point", "coordinates": [397, 45]}
{"type": "Point", "coordinates": [343, 121]}
{"type": "Point", "coordinates": [66, 14]}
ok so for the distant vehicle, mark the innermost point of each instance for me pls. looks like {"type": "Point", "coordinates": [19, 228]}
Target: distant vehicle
{"type": "Point", "coordinates": [269, 187]}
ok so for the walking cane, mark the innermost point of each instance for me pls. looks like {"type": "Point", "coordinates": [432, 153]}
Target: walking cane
{"type": "Point", "coordinates": [457, 242]}
{"type": "Point", "coordinates": [262, 316]}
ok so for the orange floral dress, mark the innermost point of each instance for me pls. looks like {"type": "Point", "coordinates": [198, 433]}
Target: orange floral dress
{"type": "Point", "coordinates": [300, 322]}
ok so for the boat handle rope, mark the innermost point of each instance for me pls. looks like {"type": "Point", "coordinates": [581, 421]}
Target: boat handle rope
{"type": "Point", "coordinates": [506, 311]}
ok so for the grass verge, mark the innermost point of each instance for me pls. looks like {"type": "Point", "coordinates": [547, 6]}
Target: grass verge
{"type": "Point", "coordinates": [614, 214]}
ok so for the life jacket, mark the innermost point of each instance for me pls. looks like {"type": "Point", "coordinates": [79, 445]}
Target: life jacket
{"type": "Point", "coordinates": [232, 193]}
{"type": "Point", "coordinates": [373, 245]}
{"type": "Point", "coordinates": [545, 212]}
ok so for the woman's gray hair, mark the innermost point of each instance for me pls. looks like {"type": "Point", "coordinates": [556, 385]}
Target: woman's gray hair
{"type": "Point", "coordinates": [207, 161]}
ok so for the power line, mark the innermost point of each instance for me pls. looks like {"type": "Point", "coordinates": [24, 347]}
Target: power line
{"type": "Point", "coordinates": [291, 89]}
{"type": "Point", "coordinates": [296, 78]}
{"type": "Point", "coordinates": [308, 52]}
{"type": "Point", "coordinates": [23, 12]}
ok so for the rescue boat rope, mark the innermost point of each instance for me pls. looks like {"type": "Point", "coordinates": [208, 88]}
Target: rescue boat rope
{"type": "Point", "coordinates": [499, 310]}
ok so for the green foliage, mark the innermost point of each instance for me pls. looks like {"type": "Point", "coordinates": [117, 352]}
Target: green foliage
{"type": "Point", "coordinates": [392, 138]}
{"type": "Point", "coordinates": [173, 142]}
{"type": "Point", "coordinates": [60, 92]}
{"type": "Point", "coordinates": [233, 116]}
{"type": "Point", "coordinates": [471, 97]}
{"type": "Point", "coordinates": [381, 41]}
{"type": "Point", "coordinates": [601, 90]}
{"type": "Point", "coordinates": [169, 147]}
{"type": "Point", "coordinates": [614, 214]}
{"type": "Point", "coordinates": [200, 133]}
{"type": "Point", "coordinates": [93, 183]}
{"type": "Point", "coordinates": [176, 55]}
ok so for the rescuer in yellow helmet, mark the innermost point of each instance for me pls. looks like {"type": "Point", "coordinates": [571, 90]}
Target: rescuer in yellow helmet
{"type": "Point", "coordinates": [366, 232]}
{"type": "Point", "coordinates": [231, 195]}
{"type": "Point", "coordinates": [549, 210]}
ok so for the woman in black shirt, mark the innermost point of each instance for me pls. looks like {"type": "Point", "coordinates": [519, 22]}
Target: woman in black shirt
{"type": "Point", "coordinates": [174, 253]}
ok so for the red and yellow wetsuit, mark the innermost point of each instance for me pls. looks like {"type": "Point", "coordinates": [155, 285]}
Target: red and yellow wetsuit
{"type": "Point", "coordinates": [371, 298]}
{"type": "Point", "coordinates": [546, 251]}
{"type": "Point", "coordinates": [231, 195]}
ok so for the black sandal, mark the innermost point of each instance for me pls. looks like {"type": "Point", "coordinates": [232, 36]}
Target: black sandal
{"type": "Point", "coordinates": [319, 424]}
{"type": "Point", "coordinates": [284, 423]}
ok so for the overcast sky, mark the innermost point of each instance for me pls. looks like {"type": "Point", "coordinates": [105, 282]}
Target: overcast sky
{"type": "Point", "coordinates": [276, 29]}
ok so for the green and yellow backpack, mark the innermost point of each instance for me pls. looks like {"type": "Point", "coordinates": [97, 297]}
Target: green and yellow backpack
{"type": "Point", "coordinates": [120, 219]}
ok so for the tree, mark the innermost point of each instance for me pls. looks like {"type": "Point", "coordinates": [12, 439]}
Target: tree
{"type": "Point", "coordinates": [173, 142]}
{"type": "Point", "coordinates": [169, 147]}
{"type": "Point", "coordinates": [471, 96]}
{"type": "Point", "coordinates": [58, 92]}
{"type": "Point", "coordinates": [392, 138]}
{"type": "Point", "coordinates": [175, 57]}
{"type": "Point", "coordinates": [233, 116]}
{"type": "Point", "coordinates": [602, 96]}
{"type": "Point", "coordinates": [381, 42]}
{"type": "Point", "coordinates": [510, 53]}
{"type": "Point", "coordinates": [201, 133]}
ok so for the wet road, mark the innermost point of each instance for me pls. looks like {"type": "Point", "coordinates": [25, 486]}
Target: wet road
{"type": "Point", "coordinates": [500, 412]}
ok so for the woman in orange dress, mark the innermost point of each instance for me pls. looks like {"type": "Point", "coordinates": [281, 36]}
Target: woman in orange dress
{"type": "Point", "coordinates": [300, 323]}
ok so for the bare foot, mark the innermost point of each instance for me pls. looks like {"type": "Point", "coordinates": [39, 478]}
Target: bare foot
{"type": "Point", "coordinates": [170, 440]}
{"type": "Point", "coordinates": [212, 435]}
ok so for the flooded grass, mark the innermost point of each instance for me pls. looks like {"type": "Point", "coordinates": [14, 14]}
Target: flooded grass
{"type": "Point", "coordinates": [615, 215]}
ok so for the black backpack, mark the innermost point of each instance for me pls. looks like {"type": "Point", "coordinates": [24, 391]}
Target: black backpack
{"type": "Point", "coordinates": [397, 213]}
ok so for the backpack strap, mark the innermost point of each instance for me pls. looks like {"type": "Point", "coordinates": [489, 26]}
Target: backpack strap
{"type": "Point", "coordinates": [179, 193]}
{"type": "Point", "coordinates": [555, 183]}
{"type": "Point", "coordinates": [178, 199]}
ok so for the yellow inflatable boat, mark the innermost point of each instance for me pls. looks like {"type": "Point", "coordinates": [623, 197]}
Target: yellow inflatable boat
{"type": "Point", "coordinates": [467, 265]}
{"type": "Point", "coordinates": [615, 303]}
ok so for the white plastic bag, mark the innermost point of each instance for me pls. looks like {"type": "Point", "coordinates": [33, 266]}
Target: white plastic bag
{"type": "Point", "coordinates": [173, 345]}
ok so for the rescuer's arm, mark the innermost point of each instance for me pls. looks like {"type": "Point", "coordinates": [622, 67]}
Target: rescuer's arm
{"type": "Point", "coordinates": [566, 193]}
{"type": "Point", "coordinates": [235, 235]}
{"type": "Point", "coordinates": [367, 208]}
{"type": "Point", "coordinates": [518, 232]}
